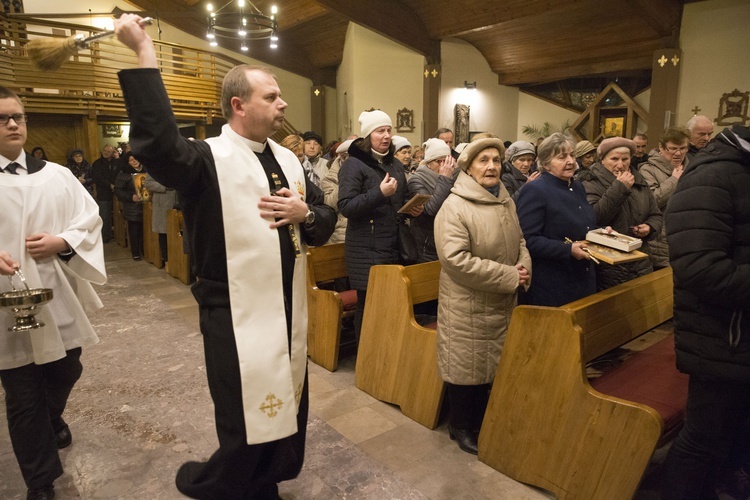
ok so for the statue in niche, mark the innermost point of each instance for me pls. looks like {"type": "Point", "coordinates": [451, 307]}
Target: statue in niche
{"type": "Point", "coordinates": [462, 123]}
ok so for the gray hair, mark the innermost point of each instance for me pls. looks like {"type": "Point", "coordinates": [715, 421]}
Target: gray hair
{"type": "Point", "coordinates": [696, 119]}
{"type": "Point", "coordinates": [551, 147]}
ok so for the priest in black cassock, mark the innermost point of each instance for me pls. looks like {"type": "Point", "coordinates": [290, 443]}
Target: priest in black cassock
{"type": "Point", "coordinates": [250, 210]}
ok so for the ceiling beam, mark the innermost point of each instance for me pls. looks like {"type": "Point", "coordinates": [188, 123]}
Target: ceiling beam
{"type": "Point", "coordinates": [389, 18]}
{"type": "Point", "coordinates": [461, 18]}
{"type": "Point", "coordinates": [535, 76]}
{"type": "Point", "coordinates": [662, 16]}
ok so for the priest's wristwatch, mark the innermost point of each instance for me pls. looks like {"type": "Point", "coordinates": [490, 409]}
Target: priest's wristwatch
{"type": "Point", "coordinates": [309, 217]}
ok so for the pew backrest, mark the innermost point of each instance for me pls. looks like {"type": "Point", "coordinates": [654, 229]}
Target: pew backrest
{"type": "Point", "coordinates": [397, 357]}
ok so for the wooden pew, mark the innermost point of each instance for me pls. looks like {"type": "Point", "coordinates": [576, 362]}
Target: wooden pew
{"type": "Point", "coordinates": [397, 358]}
{"type": "Point", "coordinates": [326, 308]}
{"type": "Point", "coordinates": [179, 261]}
{"type": "Point", "coordinates": [151, 250]}
{"type": "Point", "coordinates": [119, 223]}
{"type": "Point", "coordinates": [545, 425]}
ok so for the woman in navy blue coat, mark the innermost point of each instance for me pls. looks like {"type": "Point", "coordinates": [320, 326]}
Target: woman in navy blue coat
{"type": "Point", "coordinates": [550, 210]}
{"type": "Point", "coordinates": [372, 188]}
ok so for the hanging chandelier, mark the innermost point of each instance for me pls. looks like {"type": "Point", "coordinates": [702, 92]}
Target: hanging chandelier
{"type": "Point", "coordinates": [241, 20]}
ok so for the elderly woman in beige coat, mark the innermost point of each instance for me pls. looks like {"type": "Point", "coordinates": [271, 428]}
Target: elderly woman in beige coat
{"type": "Point", "coordinates": [484, 261]}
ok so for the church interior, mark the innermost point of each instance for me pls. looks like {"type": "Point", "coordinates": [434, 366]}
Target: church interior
{"type": "Point", "coordinates": [518, 69]}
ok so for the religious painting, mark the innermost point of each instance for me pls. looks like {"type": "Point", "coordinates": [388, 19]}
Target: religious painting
{"type": "Point", "coordinates": [733, 108]}
{"type": "Point", "coordinates": [110, 130]}
{"type": "Point", "coordinates": [613, 126]}
{"type": "Point", "coordinates": [405, 120]}
{"type": "Point", "coordinates": [139, 181]}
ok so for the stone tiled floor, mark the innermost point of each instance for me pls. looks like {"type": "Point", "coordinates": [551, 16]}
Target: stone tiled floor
{"type": "Point", "coordinates": [142, 408]}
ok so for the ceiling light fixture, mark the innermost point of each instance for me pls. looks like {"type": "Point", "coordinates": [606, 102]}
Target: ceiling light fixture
{"type": "Point", "coordinates": [240, 19]}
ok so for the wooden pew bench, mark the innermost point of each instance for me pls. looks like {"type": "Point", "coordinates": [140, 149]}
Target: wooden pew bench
{"type": "Point", "coordinates": [546, 425]}
{"type": "Point", "coordinates": [397, 357]}
{"type": "Point", "coordinates": [179, 261]}
{"type": "Point", "coordinates": [151, 250]}
{"type": "Point", "coordinates": [326, 308]}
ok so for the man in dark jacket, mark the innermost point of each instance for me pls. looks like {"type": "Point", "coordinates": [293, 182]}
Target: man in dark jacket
{"type": "Point", "coordinates": [708, 230]}
{"type": "Point", "coordinates": [104, 172]}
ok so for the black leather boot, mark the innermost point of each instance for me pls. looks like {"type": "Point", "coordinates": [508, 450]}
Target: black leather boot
{"type": "Point", "coordinates": [466, 439]}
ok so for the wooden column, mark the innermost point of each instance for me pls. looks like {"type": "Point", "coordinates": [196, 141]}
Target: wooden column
{"type": "Point", "coordinates": [432, 74]}
{"type": "Point", "coordinates": [90, 147]}
{"type": "Point", "coordinates": [318, 110]}
{"type": "Point", "coordinates": [200, 131]}
{"type": "Point", "coordinates": [665, 77]}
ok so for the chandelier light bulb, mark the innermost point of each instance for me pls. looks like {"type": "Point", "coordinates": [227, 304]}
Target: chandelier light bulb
{"type": "Point", "coordinates": [213, 43]}
{"type": "Point", "coordinates": [232, 22]}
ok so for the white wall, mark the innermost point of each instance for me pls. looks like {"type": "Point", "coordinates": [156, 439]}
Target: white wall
{"type": "Point", "coordinates": [535, 111]}
{"type": "Point", "coordinates": [493, 107]}
{"type": "Point", "coordinates": [715, 55]}
{"type": "Point", "coordinates": [378, 73]}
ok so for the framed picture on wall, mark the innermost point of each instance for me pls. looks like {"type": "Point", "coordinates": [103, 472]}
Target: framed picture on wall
{"type": "Point", "coordinates": [614, 126]}
{"type": "Point", "coordinates": [110, 130]}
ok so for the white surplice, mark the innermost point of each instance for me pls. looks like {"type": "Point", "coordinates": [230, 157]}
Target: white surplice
{"type": "Point", "coordinates": [272, 379]}
{"type": "Point", "coordinates": [51, 201]}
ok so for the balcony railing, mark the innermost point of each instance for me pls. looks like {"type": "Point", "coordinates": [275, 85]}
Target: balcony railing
{"type": "Point", "coordinates": [87, 84]}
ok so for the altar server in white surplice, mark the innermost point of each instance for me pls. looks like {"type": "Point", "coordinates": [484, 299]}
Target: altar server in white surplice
{"type": "Point", "coordinates": [50, 228]}
{"type": "Point", "coordinates": [248, 253]}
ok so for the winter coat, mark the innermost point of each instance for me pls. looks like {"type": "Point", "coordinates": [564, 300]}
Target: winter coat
{"type": "Point", "coordinates": [549, 210]}
{"type": "Point", "coordinates": [104, 173]}
{"type": "Point", "coordinates": [425, 181]}
{"type": "Point", "coordinates": [513, 179]}
{"type": "Point", "coordinates": [124, 190]}
{"type": "Point", "coordinates": [330, 186]}
{"type": "Point", "coordinates": [162, 199]}
{"type": "Point", "coordinates": [657, 172]}
{"type": "Point", "coordinates": [82, 172]}
{"type": "Point", "coordinates": [621, 208]}
{"type": "Point", "coordinates": [479, 242]}
{"type": "Point", "coordinates": [708, 230]}
{"type": "Point", "coordinates": [371, 230]}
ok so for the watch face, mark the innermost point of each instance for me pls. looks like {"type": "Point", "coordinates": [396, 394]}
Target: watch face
{"type": "Point", "coordinates": [310, 217]}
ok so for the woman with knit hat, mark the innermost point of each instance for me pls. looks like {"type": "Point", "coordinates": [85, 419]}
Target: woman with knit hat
{"type": "Point", "coordinates": [484, 261]}
{"type": "Point", "coordinates": [621, 199]}
{"type": "Point", "coordinates": [517, 169]}
{"type": "Point", "coordinates": [372, 188]}
{"type": "Point", "coordinates": [434, 176]}
{"type": "Point", "coordinates": [402, 152]}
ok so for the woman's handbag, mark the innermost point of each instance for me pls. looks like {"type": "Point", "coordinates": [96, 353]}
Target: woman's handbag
{"type": "Point", "coordinates": [407, 245]}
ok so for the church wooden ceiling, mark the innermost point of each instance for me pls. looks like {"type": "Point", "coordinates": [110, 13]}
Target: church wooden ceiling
{"type": "Point", "coordinates": [525, 42]}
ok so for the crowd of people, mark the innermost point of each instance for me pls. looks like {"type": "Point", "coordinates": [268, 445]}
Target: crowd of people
{"type": "Point", "coordinates": [507, 221]}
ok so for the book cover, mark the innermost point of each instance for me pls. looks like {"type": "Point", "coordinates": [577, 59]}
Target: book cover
{"type": "Point", "coordinates": [614, 256]}
{"type": "Point", "coordinates": [417, 199]}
